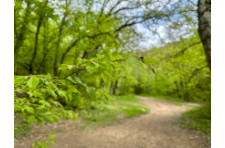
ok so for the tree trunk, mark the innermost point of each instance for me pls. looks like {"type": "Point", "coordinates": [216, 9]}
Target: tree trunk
{"type": "Point", "coordinates": [42, 64]}
{"type": "Point", "coordinates": [204, 27]}
{"type": "Point", "coordinates": [115, 87]}
{"type": "Point", "coordinates": [20, 36]}
{"type": "Point", "coordinates": [59, 40]}
{"type": "Point", "coordinates": [40, 20]}
{"type": "Point", "coordinates": [111, 88]}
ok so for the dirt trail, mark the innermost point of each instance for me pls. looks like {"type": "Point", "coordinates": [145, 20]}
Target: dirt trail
{"type": "Point", "coordinates": [157, 129]}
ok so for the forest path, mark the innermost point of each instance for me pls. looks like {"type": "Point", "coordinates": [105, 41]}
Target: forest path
{"type": "Point", "coordinates": [157, 129]}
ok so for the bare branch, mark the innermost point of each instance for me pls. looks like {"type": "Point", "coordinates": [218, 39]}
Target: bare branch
{"type": "Point", "coordinates": [110, 11]}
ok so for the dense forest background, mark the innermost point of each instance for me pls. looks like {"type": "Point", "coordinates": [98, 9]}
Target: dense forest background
{"type": "Point", "coordinates": [75, 52]}
{"type": "Point", "coordinates": [51, 33]}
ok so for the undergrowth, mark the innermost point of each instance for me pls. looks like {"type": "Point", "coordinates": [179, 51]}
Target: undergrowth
{"type": "Point", "coordinates": [112, 111]}
{"type": "Point", "coordinates": [22, 129]}
{"type": "Point", "coordinates": [198, 119]}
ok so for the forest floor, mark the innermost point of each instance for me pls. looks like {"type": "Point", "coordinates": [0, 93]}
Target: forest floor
{"type": "Point", "coordinates": [159, 128]}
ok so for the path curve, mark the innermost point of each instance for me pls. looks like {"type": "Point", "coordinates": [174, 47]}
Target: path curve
{"type": "Point", "coordinates": [157, 129]}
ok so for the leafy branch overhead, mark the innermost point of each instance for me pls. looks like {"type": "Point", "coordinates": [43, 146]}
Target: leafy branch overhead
{"type": "Point", "coordinates": [39, 86]}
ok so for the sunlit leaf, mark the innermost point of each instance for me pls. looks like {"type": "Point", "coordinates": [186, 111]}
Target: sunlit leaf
{"type": "Point", "coordinates": [33, 82]}
{"type": "Point", "coordinates": [78, 80]}
{"type": "Point", "coordinates": [30, 119]}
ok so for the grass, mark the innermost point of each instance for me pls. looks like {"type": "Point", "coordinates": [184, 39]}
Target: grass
{"type": "Point", "coordinates": [112, 111]}
{"type": "Point", "coordinates": [22, 129]}
{"type": "Point", "coordinates": [164, 98]}
{"type": "Point", "coordinates": [198, 119]}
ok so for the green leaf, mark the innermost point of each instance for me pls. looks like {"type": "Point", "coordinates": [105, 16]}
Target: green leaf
{"type": "Point", "coordinates": [134, 61]}
{"type": "Point", "coordinates": [45, 76]}
{"type": "Point", "coordinates": [41, 107]}
{"type": "Point", "coordinates": [98, 93]}
{"type": "Point", "coordinates": [34, 144]}
{"type": "Point", "coordinates": [90, 92]}
{"type": "Point", "coordinates": [29, 109]}
{"type": "Point", "coordinates": [90, 69]}
{"type": "Point", "coordinates": [17, 107]}
{"type": "Point", "coordinates": [48, 113]}
{"type": "Point", "coordinates": [42, 80]}
{"type": "Point", "coordinates": [30, 119]}
{"type": "Point", "coordinates": [52, 92]}
{"type": "Point", "coordinates": [47, 140]}
{"type": "Point", "coordinates": [33, 82]}
{"type": "Point", "coordinates": [78, 80]}
{"type": "Point", "coordinates": [51, 85]}
{"type": "Point", "coordinates": [53, 142]}
{"type": "Point", "coordinates": [99, 55]}
{"type": "Point", "coordinates": [103, 65]}
{"type": "Point", "coordinates": [115, 67]}
{"type": "Point", "coordinates": [71, 90]}
{"type": "Point", "coordinates": [71, 67]}
{"type": "Point", "coordinates": [47, 104]}
{"type": "Point", "coordinates": [39, 120]}
{"type": "Point", "coordinates": [62, 94]}
{"type": "Point", "coordinates": [149, 61]}
{"type": "Point", "coordinates": [108, 96]}
{"type": "Point", "coordinates": [51, 134]}
{"type": "Point", "coordinates": [72, 116]}
{"type": "Point", "coordinates": [19, 79]}
{"type": "Point", "coordinates": [96, 64]}
{"type": "Point", "coordinates": [21, 114]}
{"type": "Point", "coordinates": [71, 80]}
{"type": "Point", "coordinates": [62, 67]}
{"type": "Point", "coordinates": [49, 118]}
{"type": "Point", "coordinates": [104, 77]}
{"type": "Point", "coordinates": [55, 118]}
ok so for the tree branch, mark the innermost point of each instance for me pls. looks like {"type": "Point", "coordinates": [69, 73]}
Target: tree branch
{"type": "Point", "coordinates": [183, 50]}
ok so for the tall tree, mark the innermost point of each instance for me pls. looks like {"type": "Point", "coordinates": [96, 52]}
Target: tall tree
{"type": "Point", "coordinates": [60, 38]}
{"type": "Point", "coordinates": [204, 27]}
{"type": "Point", "coordinates": [40, 20]}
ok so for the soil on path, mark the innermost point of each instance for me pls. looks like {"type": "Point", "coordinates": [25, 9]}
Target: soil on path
{"type": "Point", "coordinates": [157, 129]}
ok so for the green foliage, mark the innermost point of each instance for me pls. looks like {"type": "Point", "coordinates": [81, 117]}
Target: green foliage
{"type": "Point", "coordinates": [19, 79]}
{"type": "Point", "coordinates": [181, 72]}
{"type": "Point", "coordinates": [198, 119]}
{"type": "Point", "coordinates": [47, 98]}
{"type": "Point", "coordinates": [43, 144]}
